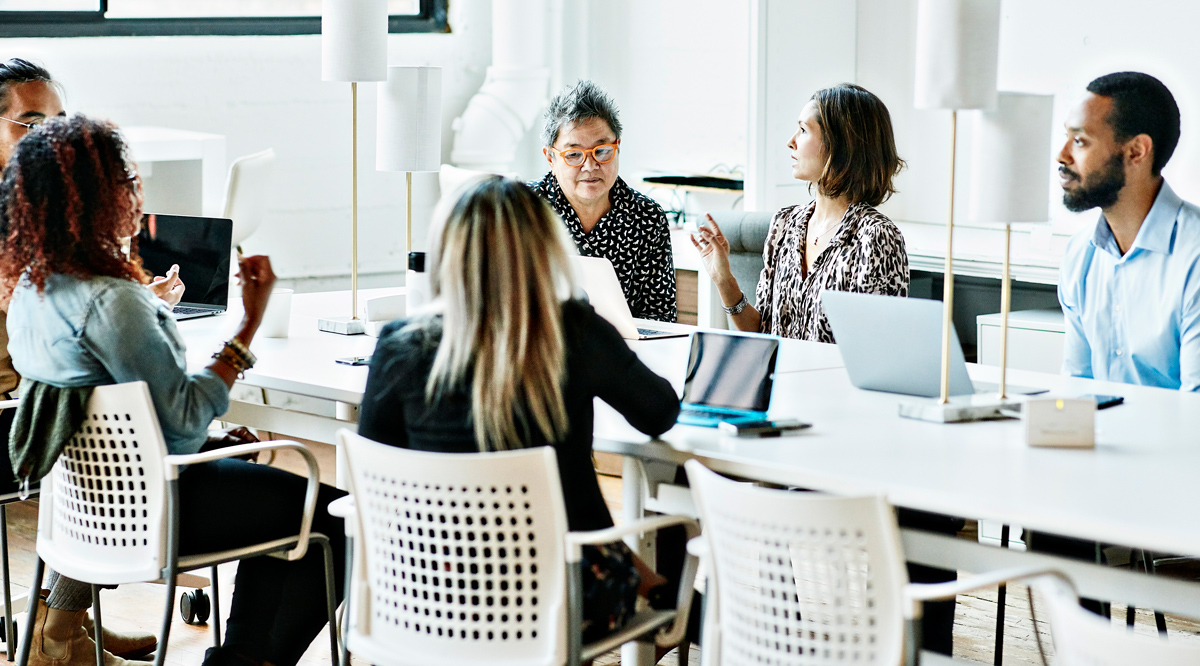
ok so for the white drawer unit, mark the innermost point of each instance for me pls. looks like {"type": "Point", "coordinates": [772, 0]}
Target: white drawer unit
{"type": "Point", "coordinates": [1035, 340]}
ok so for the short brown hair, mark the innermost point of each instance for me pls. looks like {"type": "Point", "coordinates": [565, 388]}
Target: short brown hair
{"type": "Point", "coordinates": [861, 162]}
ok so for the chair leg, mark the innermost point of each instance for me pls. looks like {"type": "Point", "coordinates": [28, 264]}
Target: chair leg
{"type": "Point", "coordinates": [10, 636]}
{"type": "Point", "coordinates": [160, 654]}
{"type": "Point", "coordinates": [39, 569]}
{"type": "Point", "coordinates": [346, 602]}
{"type": "Point", "coordinates": [998, 657]}
{"type": "Point", "coordinates": [331, 602]}
{"type": "Point", "coordinates": [216, 608]}
{"type": "Point", "coordinates": [99, 625]}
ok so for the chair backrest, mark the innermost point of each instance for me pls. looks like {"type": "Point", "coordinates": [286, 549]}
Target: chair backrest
{"type": "Point", "coordinates": [103, 507]}
{"type": "Point", "coordinates": [802, 578]}
{"type": "Point", "coordinates": [247, 191]}
{"type": "Point", "coordinates": [747, 234]}
{"type": "Point", "coordinates": [1082, 638]}
{"type": "Point", "coordinates": [462, 556]}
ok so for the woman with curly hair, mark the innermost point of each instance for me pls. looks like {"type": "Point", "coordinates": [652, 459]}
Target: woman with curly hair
{"type": "Point", "coordinates": [70, 206]}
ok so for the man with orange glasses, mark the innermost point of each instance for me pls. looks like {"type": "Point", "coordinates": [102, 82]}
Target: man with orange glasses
{"type": "Point", "coordinates": [605, 216]}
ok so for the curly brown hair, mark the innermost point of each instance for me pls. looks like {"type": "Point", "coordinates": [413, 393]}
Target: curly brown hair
{"type": "Point", "coordinates": [68, 199]}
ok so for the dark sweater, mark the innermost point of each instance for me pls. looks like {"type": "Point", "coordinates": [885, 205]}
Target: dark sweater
{"type": "Point", "coordinates": [599, 364]}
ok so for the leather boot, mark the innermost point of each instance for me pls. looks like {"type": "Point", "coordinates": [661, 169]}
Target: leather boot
{"type": "Point", "coordinates": [59, 640]}
{"type": "Point", "coordinates": [127, 645]}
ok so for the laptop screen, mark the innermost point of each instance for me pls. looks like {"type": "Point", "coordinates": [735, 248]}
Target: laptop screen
{"type": "Point", "coordinates": [730, 371]}
{"type": "Point", "coordinates": [200, 245]}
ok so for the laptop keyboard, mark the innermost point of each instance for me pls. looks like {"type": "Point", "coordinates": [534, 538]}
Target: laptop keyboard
{"type": "Point", "coordinates": [697, 414]}
{"type": "Point", "coordinates": [184, 310]}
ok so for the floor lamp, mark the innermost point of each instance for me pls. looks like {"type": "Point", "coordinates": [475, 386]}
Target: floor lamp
{"type": "Point", "coordinates": [957, 55]}
{"type": "Point", "coordinates": [353, 49]}
{"type": "Point", "coordinates": [409, 136]}
{"type": "Point", "coordinates": [1010, 180]}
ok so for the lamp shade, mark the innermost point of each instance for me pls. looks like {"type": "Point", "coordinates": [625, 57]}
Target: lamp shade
{"type": "Point", "coordinates": [958, 43]}
{"type": "Point", "coordinates": [354, 40]}
{"type": "Point", "coordinates": [409, 134]}
{"type": "Point", "coordinates": [1011, 159]}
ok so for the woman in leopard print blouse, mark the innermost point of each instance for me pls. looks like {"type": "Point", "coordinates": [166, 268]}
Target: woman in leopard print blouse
{"type": "Point", "coordinates": [844, 146]}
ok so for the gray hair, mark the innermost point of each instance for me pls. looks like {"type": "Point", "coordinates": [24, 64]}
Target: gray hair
{"type": "Point", "coordinates": [583, 101]}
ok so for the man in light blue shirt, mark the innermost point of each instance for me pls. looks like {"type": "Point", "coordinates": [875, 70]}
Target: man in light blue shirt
{"type": "Point", "coordinates": [1130, 286]}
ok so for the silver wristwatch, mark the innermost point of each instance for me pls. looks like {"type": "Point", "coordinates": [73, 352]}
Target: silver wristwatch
{"type": "Point", "coordinates": [736, 308]}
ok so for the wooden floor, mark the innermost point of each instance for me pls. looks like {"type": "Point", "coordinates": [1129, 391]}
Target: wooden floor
{"type": "Point", "coordinates": [141, 606]}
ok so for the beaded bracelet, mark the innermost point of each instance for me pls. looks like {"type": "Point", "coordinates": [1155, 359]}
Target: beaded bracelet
{"type": "Point", "coordinates": [242, 351]}
{"type": "Point", "coordinates": [231, 359]}
{"type": "Point", "coordinates": [736, 308]}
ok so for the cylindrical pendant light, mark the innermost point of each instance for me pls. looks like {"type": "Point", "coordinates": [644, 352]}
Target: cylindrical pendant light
{"type": "Point", "coordinates": [958, 44]}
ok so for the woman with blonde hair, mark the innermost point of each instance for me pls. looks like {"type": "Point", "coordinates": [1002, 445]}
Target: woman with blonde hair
{"type": "Point", "coordinates": [504, 360]}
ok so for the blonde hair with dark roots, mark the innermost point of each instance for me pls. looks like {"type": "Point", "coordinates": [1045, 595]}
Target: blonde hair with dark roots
{"type": "Point", "coordinates": [499, 268]}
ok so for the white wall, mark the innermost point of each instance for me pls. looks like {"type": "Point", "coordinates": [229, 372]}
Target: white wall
{"type": "Point", "coordinates": [266, 92]}
{"type": "Point", "coordinates": [1045, 47]}
{"type": "Point", "coordinates": [677, 70]}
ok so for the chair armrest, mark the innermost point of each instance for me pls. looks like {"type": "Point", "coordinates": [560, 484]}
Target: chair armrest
{"type": "Point", "coordinates": [343, 507]}
{"type": "Point", "coordinates": [683, 603]}
{"type": "Point", "coordinates": [9, 404]}
{"type": "Point", "coordinates": [914, 593]}
{"type": "Point", "coordinates": [576, 540]}
{"type": "Point", "coordinates": [172, 463]}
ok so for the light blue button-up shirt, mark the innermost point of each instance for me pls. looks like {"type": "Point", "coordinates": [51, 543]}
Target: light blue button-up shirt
{"type": "Point", "coordinates": [1136, 318]}
{"type": "Point", "coordinates": [106, 330]}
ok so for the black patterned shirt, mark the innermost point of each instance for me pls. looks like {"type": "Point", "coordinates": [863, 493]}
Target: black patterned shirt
{"type": "Point", "coordinates": [634, 236]}
{"type": "Point", "coordinates": [865, 255]}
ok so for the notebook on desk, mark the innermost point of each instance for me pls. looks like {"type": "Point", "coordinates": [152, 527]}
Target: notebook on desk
{"type": "Point", "coordinates": [729, 378]}
{"type": "Point", "coordinates": [202, 247]}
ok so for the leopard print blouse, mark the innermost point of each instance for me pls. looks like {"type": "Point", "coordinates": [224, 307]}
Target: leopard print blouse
{"type": "Point", "coordinates": [866, 254]}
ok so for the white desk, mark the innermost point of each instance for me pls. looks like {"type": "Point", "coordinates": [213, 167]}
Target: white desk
{"type": "Point", "coordinates": [1137, 488]}
{"type": "Point", "coordinates": [191, 177]}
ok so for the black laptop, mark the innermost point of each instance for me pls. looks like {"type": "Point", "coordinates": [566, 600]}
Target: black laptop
{"type": "Point", "coordinates": [201, 246]}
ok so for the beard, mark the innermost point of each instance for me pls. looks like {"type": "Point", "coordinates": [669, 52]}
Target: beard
{"type": "Point", "coordinates": [1101, 190]}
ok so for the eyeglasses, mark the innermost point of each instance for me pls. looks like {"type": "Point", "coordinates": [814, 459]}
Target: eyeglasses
{"type": "Point", "coordinates": [603, 154]}
{"type": "Point", "coordinates": [31, 125]}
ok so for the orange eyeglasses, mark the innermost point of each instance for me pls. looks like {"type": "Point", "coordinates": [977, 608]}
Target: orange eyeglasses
{"type": "Point", "coordinates": [603, 154]}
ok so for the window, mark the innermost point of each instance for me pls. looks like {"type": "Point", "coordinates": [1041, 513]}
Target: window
{"type": "Point", "coordinates": [82, 18]}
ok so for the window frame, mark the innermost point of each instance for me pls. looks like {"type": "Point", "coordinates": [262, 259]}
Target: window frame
{"type": "Point", "coordinates": [430, 18]}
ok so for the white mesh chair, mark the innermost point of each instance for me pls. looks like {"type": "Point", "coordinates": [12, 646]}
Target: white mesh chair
{"type": "Point", "coordinates": [1082, 638]}
{"type": "Point", "coordinates": [805, 578]}
{"type": "Point", "coordinates": [18, 604]}
{"type": "Point", "coordinates": [464, 559]}
{"type": "Point", "coordinates": [109, 511]}
{"type": "Point", "coordinates": [247, 191]}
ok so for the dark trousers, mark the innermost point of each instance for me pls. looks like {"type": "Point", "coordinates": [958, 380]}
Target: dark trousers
{"type": "Point", "coordinates": [278, 606]}
{"type": "Point", "coordinates": [937, 623]}
{"type": "Point", "coordinates": [1076, 549]}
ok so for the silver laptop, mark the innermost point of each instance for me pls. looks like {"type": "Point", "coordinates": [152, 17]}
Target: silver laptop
{"type": "Point", "coordinates": [202, 247]}
{"type": "Point", "coordinates": [596, 276]}
{"type": "Point", "coordinates": [894, 344]}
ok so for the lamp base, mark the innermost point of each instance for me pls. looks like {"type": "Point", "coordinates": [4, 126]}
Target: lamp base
{"type": "Point", "coordinates": [342, 325]}
{"type": "Point", "coordinates": [961, 409]}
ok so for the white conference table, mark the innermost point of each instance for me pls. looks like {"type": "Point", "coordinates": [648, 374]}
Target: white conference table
{"type": "Point", "coordinates": [1138, 487]}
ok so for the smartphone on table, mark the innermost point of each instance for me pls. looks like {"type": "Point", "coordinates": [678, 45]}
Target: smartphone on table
{"type": "Point", "coordinates": [761, 428]}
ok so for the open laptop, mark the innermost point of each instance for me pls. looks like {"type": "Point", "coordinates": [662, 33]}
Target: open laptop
{"type": "Point", "coordinates": [894, 344]}
{"type": "Point", "coordinates": [201, 246]}
{"type": "Point", "coordinates": [729, 378]}
{"type": "Point", "coordinates": [597, 277]}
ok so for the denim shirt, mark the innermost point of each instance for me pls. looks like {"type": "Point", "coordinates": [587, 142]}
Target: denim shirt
{"type": "Point", "coordinates": [105, 330]}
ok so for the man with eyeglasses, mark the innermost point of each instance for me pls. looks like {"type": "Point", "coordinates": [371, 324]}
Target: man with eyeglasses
{"type": "Point", "coordinates": [605, 216]}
